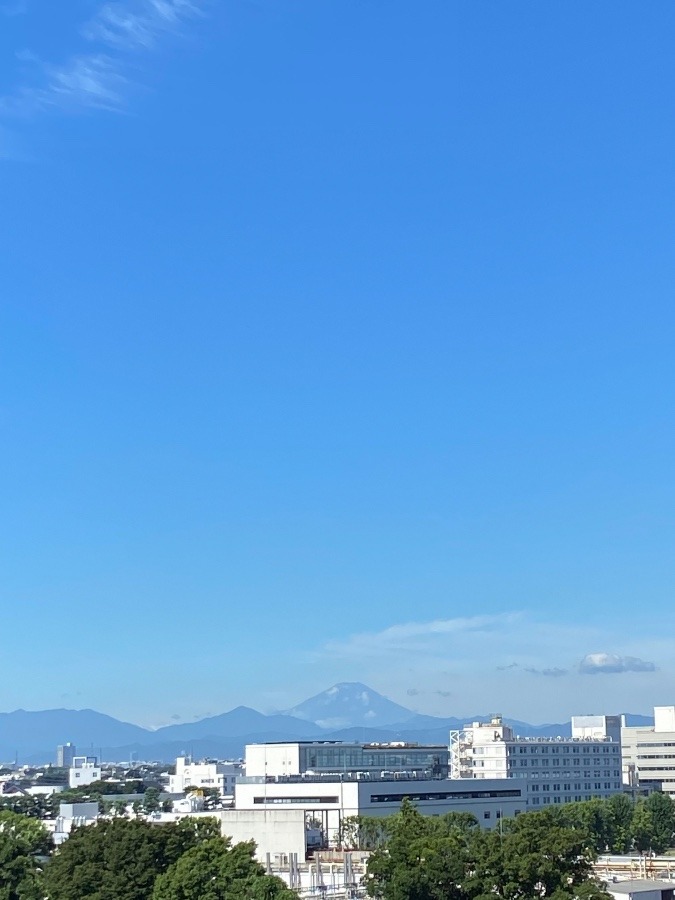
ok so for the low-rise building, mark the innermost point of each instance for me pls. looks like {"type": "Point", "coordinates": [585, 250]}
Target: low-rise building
{"type": "Point", "coordinates": [84, 770]}
{"type": "Point", "coordinates": [220, 776]}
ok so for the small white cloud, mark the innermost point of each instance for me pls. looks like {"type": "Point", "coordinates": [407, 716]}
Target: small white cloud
{"type": "Point", "coordinates": [611, 664]}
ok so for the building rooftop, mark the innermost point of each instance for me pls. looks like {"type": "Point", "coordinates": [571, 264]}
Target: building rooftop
{"type": "Point", "coordinates": [638, 885]}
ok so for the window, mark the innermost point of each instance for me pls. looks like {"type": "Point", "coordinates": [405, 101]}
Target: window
{"type": "Point", "coordinates": [556, 799]}
{"type": "Point", "coordinates": [546, 787]}
{"type": "Point", "coordinates": [486, 814]}
{"type": "Point", "coordinates": [534, 787]}
{"type": "Point", "coordinates": [535, 801]}
{"type": "Point", "coordinates": [547, 799]}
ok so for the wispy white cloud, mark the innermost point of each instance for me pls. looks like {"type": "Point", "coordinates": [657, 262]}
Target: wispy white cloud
{"type": "Point", "coordinates": [413, 635]}
{"type": "Point", "coordinates": [85, 82]}
{"type": "Point", "coordinates": [130, 25]}
{"type": "Point", "coordinates": [97, 76]}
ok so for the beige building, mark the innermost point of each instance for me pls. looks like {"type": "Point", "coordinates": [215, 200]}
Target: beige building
{"type": "Point", "coordinates": [648, 752]}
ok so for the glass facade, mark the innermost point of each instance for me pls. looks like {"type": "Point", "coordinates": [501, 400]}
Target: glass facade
{"type": "Point", "coordinates": [432, 761]}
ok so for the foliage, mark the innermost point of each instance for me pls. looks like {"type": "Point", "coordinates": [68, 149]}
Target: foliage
{"type": "Point", "coordinates": [217, 871]}
{"type": "Point", "coordinates": [119, 859]}
{"type": "Point", "coordinates": [21, 840]}
{"type": "Point", "coordinates": [449, 858]}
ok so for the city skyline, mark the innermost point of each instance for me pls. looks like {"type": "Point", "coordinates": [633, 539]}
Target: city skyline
{"type": "Point", "coordinates": [336, 344]}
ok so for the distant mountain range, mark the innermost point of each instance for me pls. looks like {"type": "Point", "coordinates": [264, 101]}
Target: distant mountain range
{"type": "Point", "coordinates": [347, 712]}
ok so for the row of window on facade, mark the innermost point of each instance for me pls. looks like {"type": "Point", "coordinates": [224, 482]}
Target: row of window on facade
{"type": "Point", "coordinates": [597, 785]}
{"type": "Point", "coordinates": [543, 749]}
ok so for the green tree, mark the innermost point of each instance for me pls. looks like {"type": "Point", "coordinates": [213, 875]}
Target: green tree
{"type": "Point", "coordinates": [620, 820]}
{"type": "Point", "coordinates": [425, 858]}
{"type": "Point", "coordinates": [534, 856]}
{"type": "Point", "coordinates": [21, 839]}
{"type": "Point", "coordinates": [151, 800]}
{"type": "Point", "coordinates": [119, 859]}
{"type": "Point", "coordinates": [662, 812]}
{"type": "Point", "coordinates": [215, 870]}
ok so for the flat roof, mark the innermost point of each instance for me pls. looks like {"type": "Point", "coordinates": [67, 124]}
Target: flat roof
{"type": "Point", "coordinates": [371, 745]}
{"type": "Point", "coordinates": [636, 885]}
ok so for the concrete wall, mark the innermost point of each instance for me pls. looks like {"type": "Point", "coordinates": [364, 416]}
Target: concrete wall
{"type": "Point", "coordinates": [272, 759]}
{"type": "Point", "coordinates": [277, 831]}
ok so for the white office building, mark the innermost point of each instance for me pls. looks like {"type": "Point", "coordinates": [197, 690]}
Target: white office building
{"type": "Point", "coordinates": [219, 775]}
{"type": "Point", "coordinates": [301, 792]}
{"type": "Point", "coordinates": [84, 771]}
{"type": "Point", "coordinates": [649, 752]}
{"type": "Point", "coordinates": [551, 770]}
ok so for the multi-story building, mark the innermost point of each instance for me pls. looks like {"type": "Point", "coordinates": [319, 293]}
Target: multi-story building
{"type": "Point", "coordinates": [552, 770]}
{"type": "Point", "coordinates": [219, 775]}
{"type": "Point", "coordinates": [83, 771]}
{"type": "Point", "coordinates": [336, 757]}
{"type": "Point", "coordinates": [649, 752]}
{"type": "Point", "coordinates": [65, 754]}
{"type": "Point", "coordinates": [330, 781]}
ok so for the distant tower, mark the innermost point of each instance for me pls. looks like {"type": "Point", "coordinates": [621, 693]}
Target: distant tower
{"type": "Point", "coordinates": [65, 753]}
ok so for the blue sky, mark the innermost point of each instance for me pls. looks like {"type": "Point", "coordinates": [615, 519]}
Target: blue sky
{"type": "Point", "coordinates": [337, 344]}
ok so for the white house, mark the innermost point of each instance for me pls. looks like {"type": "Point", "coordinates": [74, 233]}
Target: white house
{"type": "Point", "coordinates": [219, 775]}
{"type": "Point", "coordinates": [83, 771]}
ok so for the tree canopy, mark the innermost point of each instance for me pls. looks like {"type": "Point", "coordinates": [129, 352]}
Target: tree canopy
{"type": "Point", "coordinates": [21, 840]}
{"type": "Point", "coordinates": [119, 859]}
{"type": "Point", "coordinates": [446, 858]}
{"type": "Point", "coordinates": [215, 870]}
